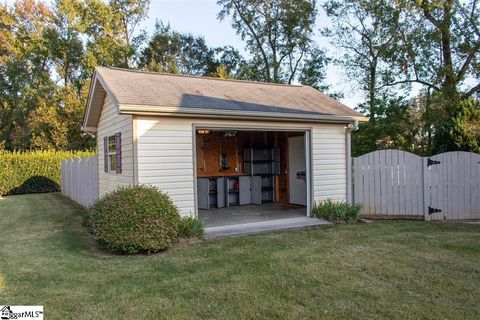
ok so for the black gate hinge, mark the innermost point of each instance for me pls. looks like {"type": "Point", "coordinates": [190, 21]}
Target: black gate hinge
{"type": "Point", "coordinates": [432, 162]}
{"type": "Point", "coordinates": [433, 210]}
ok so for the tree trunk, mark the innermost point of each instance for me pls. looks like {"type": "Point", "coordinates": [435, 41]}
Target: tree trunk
{"type": "Point", "coordinates": [450, 81]}
{"type": "Point", "coordinates": [372, 89]}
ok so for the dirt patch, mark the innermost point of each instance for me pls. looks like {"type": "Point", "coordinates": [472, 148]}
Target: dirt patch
{"type": "Point", "coordinates": [183, 243]}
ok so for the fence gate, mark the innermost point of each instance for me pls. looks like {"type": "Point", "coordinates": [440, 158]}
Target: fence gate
{"type": "Point", "coordinates": [452, 186]}
{"type": "Point", "coordinates": [394, 183]}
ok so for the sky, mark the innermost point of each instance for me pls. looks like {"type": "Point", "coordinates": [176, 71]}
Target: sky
{"type": "Point", "coordinates": [199, 17]}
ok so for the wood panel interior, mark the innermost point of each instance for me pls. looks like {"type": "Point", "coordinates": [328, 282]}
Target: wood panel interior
{"type": "Point", "coordinates": [211, 144]}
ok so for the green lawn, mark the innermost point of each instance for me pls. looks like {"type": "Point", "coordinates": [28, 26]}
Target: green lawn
{"type": "Point", "coordinates": [393, 270]}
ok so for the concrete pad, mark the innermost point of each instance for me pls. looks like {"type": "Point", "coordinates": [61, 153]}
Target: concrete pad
{"type": "Point", "coordinates": [235, 215]}
{"type": "Point", "coordinates": [263, 226]}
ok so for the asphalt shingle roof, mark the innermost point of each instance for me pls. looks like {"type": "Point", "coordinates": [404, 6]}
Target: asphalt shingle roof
{"type": "Point", "coordinates": [149, 89]}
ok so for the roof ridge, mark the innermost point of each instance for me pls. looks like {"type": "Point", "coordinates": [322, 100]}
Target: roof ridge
{"type": "Point", "coordinates": [203, 77]}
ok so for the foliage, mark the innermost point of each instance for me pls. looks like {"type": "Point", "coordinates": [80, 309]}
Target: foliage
{"type": "Point", "coordinates": [337, 212]}
{"type": "Point", "coordinates": [460, 131]}
{"type": "Point", "coordinates": [190, 227]}
{"type": "Point", "coordinates": [437, 45]}
{"type": "Point", "coordinates": [391, 46]}
{"type": "Point", "coordinates": [48, 51]}
{"type": "Point", "coordinates": [313, 72]}
{"type": "Point", "coordinates": [391, 128]}
{"type": "Point", "coordinates": [278, 35]}
{"type": "Point", "coordinates": [47, 55]}
{"type": "Point", "coordinates": [174, 52]}
{"type": "Point", "coordinates": [33, 171]}
{"type": "Point", "coordinates": [134, 220]}
{"type": "Point", "coordinates": [359, 32]}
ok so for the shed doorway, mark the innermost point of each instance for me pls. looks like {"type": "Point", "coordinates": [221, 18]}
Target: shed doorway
{"type": "Point", "coordinates": [247, 176]}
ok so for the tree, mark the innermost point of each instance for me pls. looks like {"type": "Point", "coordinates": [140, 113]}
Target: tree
{"type": "Point", "coordinates": [438, 46]}
{"type": "Point", "coordinates": [314, 70]}
{"type": "Point", "coordinates": [129, 13]}
{"type": "Point", "coordinates": [109, 30]}
{"type": "Point", "coordinates": [234, 64]}
{"type": "Point", "coordinates": [55, 124]}
{"type": "Point", "coordinates": [24, 67]}
{"type": "Point", "coordinates": [359, 31]}
{"type": "Point", "coordinates": [65, 46]}
{"type": "Point", "coordinates": [434, 44]}
{"type": "Point", "coordinates": [278, 34]}
{"type": "Point", "coordinates": [393, 127]}
{"type": "Point", "coordinates": [174, 52]}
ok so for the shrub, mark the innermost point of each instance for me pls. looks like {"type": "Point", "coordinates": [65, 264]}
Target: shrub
{"type": "Point", "coordinates": [33, 171]}
{"type": "Point", "coordinates": [134, 219]}
{"type": "Point", "coordinates": [190, 228]}
{"type": "Point", "coordinates": [337, 212]}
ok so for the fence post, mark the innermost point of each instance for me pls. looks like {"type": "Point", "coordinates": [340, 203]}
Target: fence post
{"type": "Point", "coordinates": [96, 190]}
{"type": "Point", "coordinates": [69, 175]}
{"type": "Point", "coordinates": [62, 180]}
{"type": "Point", "coordinates": [426, 188]}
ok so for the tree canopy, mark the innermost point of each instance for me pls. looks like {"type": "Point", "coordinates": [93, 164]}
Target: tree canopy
{"type": "Point", "coordinates": [417, 63]}
{"type": "Point", "coordinates": [390, 46]}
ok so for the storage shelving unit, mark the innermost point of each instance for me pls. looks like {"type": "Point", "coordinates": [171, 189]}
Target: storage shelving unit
{"type": "Point", "coordinates": [232, 191]}
{"type": "Point", "coordinates": [218, 192]}
{"type": "Point", "coordinates": [211, 193]}
{"type": "Point", "coordinates": [262, 164]}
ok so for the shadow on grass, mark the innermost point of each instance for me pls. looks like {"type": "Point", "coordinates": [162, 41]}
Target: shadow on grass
{"type": "Point", "coordinates": [35, 184]}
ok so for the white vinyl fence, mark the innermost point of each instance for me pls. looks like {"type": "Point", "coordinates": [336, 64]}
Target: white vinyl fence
{"type": "Point", "coordinates": [396, 184]}
{"type": "Point", "coordinates": [80, 180]}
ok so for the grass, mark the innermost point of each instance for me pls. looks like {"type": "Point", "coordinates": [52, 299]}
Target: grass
{"type": "Point", "coordinates": [391, 269]}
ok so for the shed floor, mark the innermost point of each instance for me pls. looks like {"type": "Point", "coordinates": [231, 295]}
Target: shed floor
{"type": "Point", "coordinates": [250, 214]}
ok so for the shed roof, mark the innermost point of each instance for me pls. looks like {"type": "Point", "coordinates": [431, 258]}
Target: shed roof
{"type": "Point", "coordinates": [152, 93]}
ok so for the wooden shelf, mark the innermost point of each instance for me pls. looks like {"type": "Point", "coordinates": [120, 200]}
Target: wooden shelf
{"type": "Point", "coordinates": [260, 161]}
{"type": "Point", "coordinates": [221, 175]}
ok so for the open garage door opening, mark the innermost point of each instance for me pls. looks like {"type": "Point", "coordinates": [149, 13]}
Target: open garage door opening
{"type": "Point", "coordinates": [250, 176]}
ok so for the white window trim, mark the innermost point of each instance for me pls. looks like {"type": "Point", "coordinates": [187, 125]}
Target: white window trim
{"type": "Point", "coordinates": [114, 153]}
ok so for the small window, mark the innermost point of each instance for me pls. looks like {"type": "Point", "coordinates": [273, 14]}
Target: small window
{"type": "Point", "coordinates": [112, 150]}
{"type": "Point", "coordinates": [112, 154]}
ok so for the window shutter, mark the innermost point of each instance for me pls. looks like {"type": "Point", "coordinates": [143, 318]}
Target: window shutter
{"type": "Point", "coordinates": [118, 152]}
{"type": "Point", "coordinates": [105, 153]}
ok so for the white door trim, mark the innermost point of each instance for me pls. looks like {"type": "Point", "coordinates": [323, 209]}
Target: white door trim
{"type": "Point", "coordinates": [308, 152]}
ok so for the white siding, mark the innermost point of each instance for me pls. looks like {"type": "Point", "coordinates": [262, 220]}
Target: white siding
{"type": "Point", "coordinates": [166, 155]}
{"type": "Point", "coordinates": [111, 122]}
{"type": "Point", "coordinates": [165, 159]}
{"type": "Point", "coordinates": [329, 162]}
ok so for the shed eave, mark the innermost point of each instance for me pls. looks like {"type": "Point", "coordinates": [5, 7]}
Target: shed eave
{"type": "Point", "coordinates": [222, 114]}
{"type": "Point", "coordinates": [88, 129]}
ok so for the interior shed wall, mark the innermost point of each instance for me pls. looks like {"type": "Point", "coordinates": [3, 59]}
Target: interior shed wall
{"type": "Point", "coordinates": [210, 146]}
{"type": "Point", "coordinates": [166, 153]}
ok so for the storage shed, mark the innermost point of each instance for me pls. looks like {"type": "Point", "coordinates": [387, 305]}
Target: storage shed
{"type": "Point", "coordinates": [214, 144]}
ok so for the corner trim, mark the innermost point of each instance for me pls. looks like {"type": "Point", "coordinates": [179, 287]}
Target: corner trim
{"type": "Point", "coordinates": [135, 150]}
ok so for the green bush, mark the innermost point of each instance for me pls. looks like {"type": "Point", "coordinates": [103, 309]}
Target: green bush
{"type": "Point", "coordinates": [337, 212]}
{"type": "Point", "coordinates": [134, 220]}
{"type": "Point", "coordinates": [33, 171]}
{"type": "Point", "coordinates": [190, 228]}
